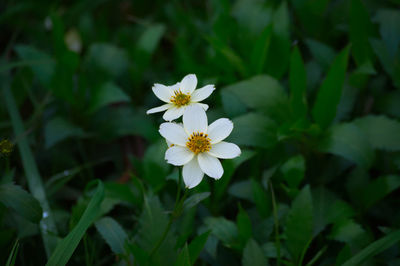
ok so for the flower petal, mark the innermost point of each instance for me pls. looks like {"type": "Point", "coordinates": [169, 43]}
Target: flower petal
{"type": "Point", "coordinates": [219, 130]}
{"type": "Point", "coordinates": [202, 105]}
{"type": "Point", "coordinates": [225, 150]}
{"type": "Point", "coordinates": [162, 92]}
{"type": "Point", "coordinates": [210, 165]}
{"type": "Point", "coordinates": [159, 108]}
{"type": "Point", "coordinates": [188, 84]}
{"type": "Point", "coordinates": [173, 113]}
{"type": "Point", "coordinates": [178, 155]}
{"type": "Point", "coordinates": [195, 119]}
{"type": "Point", "coordinates": [192, 173]}
{"type": "Point", "coordinates": [203, 93]}
{"type": "Point", "coordinates": [174, 133]}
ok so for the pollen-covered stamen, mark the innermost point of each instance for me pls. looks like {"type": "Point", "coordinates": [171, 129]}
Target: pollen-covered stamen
{"type": "Point", "coordinates": [180, 99]}
{"type": "Point", "coordinates": [199, 142]}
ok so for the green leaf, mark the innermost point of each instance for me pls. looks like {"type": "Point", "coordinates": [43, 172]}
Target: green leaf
{"type": "Point", "coordinates": [108, 58]}
{"type": "Point", "coordinates": [197, 245]}
{"type": "Point", "coordinates": [244, 225]}
{"type": "Point", "coordinates": [20, 201]}
{"type": "Point", "coordinates": [374, 248]}
{"type": "Point", "coordinates": [108, 93]}
{"type": "Point", "coordinates": [31, 172]}
{"type": "Point", "coordinates": [348, 141]}
{"type": "Point", "coordinates": [59, 129]}
{"type": "Point", "coordinates": [328, 97]}
{"type": "Point", "coordinates": [150, 38]}
{"type": "Point", "coordinates": [299, 224]}
{"type": "Point", "coordinates": [262, 93]}
{"type": "Point", "coordinates": [378, 189]}
{"type": "Point", "coordinates": [254, 130]}
{"type": "Point", "coordinates": [66, 247]}
{"type": "Point", "coordinates": [13, 254]}
{"type": "Point", "coordinates": [225, 230]}
{"type": "Point", "coordinates": [42, 64]}
{"type": "Point", "coordinates": [298, 84]}
{"type": "Point", "coordinates": [321, 52]}
{"type": "Point", "coordinates": [195, 199]}
{"type": "Point", "coordinates": [183, 257]}
{"type": "Point", "coordinates": [360, 31]}
{"type": "Point", "coordinates": [260, 50]}
{"type": "Point", "coordinates": [253, 255]}
{"type": "Point", "coordinates": [112, 233]}
{"type": "Point", "coordinates": [263, 202]}
{"type": "Point", "coordinates": [293, 170]}
{"type": "Point", "coordinates": [349, 232]}
{"type": "Point", "coordinates": [389, 20]}
{"type": "Point", "coordinates": [382, 132]}
{"type": "Point", "coordinates": [152, 224]}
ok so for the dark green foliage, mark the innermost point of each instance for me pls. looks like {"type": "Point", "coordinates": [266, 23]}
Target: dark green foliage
{"type": "Point", "coordinates": [312, 87]}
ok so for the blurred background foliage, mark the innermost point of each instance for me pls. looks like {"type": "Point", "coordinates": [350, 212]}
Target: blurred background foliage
{"type": "Point", "coordinates": [312, 88]}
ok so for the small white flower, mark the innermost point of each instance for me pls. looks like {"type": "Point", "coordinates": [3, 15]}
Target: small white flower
{"type": "Point", "coordinates": [179, 96]}
{"type": "Point", "coordinates": [197, 145]}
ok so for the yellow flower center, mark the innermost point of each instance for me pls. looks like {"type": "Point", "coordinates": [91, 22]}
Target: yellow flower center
{"type": "Point", "coordinates": [180, 99]}
{"type": "Point", "coordinates": [6, 147]}
{"type": "Point", "coordinates": [199, 142]}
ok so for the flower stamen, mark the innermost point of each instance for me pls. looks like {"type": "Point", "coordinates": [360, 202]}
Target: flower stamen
{"type": "Point", "coordinates": [180, 99]}
{"type": "Point", "coordinates": [199, 142]}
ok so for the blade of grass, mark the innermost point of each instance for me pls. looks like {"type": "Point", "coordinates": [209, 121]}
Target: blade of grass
{"type": "Point", "coordinates": [67, 246]}
{"type": "Point", "coordinates": [13, 254]}
{"type": "Point", "coordinates": [47, 225]}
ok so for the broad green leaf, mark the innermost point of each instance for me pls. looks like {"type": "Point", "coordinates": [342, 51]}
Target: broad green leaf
{"type": "Point", "coordinates": [152, 224]}
{"type": "Point", "coordinates": [253, 255]}
{"type": "Point", "coordinates": [263, 93]}
{"type": "Point", "coordinates": [244, 225]}
{"type": "Point", "coordinates": [195, 199]}
{"type": "Point", "coordinates": [260, 50]}
{"type": "Point", "coordinates": [106, 94]}
{"type": "Point", "coordinates": [389, 20]}
{"type": "Point", "coordinates": [47, 225]}
{"type": "Point", "coordinates": [108, 58]}
{"type": "Point", "coordinates": [293, 170]}
{"type": "Point", "coordinates": [254, 16]}
{"type": "Point", "coordinates": [263, 202]}
{"type": "Point", "coordinates": [225, 230]}
{"type": "Point", "coordinates": [278, 59]}
{"type": "Point", "coordinates": [254, 130]}
{"type": "Point", "coordinates": [21, 202]}
{"type": "Point", "coordinates": [328, 97]}
{"type": "Point", "coordinates": [374, 248]}
{"type": "Point", "coordinates": [321, 52]}
{"type": "Point", "coordinates": [360, 31]}
{"type": "Point", "coordinates": [242, 190]}
{"type": "Point", "coordinates": [299, 224]}
{"type": "Point", "coordinates": [382, 132]}
{"type": "Point", "coordinates": [112, 233]}
{"type": "Point", "coordinates": [42, 64]}
{"type": "Point", "coordinates": [150, 38]}
{"type": "Point", "coordinates": [348, 141]}
{"type": "Point", "coordinates": [59, 129]}
{"type": "Point", "coordinates": [197, 245]}
{"type": "Point", "coordinates": [298, 84]}
{"type": "Point", "coordinates": [183, 257]}
{"type": "Point", "coordinates": [378, 189]}
{"type": "Point", "coordinates": [66, 247]}
{"type": "Point", "coordinates": [349, 232]}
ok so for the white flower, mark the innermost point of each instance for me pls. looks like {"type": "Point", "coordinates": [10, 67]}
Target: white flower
{"type": "Point", "coordinates": [179, 96]}
{"type": "Point", "coordinates": [197, 145]}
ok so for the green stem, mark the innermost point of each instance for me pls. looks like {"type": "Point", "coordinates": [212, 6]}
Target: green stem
{"type": "Point", "coordinates": [276, 222]}
{"type": "Point", "coordinates": [175, 214]}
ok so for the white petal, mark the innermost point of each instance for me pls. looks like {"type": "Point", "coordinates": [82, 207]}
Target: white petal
{"type": "Point", "coordinates": [163, 92]}
{"type": "Point", "coordinates": [192, 173]}
{"type": "Point", "coordinates": [195, 119]}
{"type": "Point", "coordinates": [177, 155]}
{"type": "Point", "coordinates": [174, 133]}
{"type": "Point", "coordinates": [173, 113]}
{"type": "Point", "coordinates": [202, 105]}
{"type": "Point", "coordinates": [210, 165]}
{"type": "Point", "coordinates": [225, 150]}
{"type": "Point", "coordinates": [188, 84]}
{"type": "Point", "coordinates": [175, 87]}
{"type": "Point", "coordinates": [159, 108]}
{"type": "Point", "coordinates": [203, 93]}
{"type": "Point", "coordinates": [219, 130]}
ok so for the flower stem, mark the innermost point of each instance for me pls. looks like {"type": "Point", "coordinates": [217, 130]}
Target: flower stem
{"type": "Point", "coordinates": [175, 214]}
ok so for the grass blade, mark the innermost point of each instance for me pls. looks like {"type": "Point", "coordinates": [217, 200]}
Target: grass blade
{"type": "Point", "coordinates": [67, 246]}
{"type": "Point", "coordinates": [47, 225]}
{"type": "Point", "coordinates": [13, 254]}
